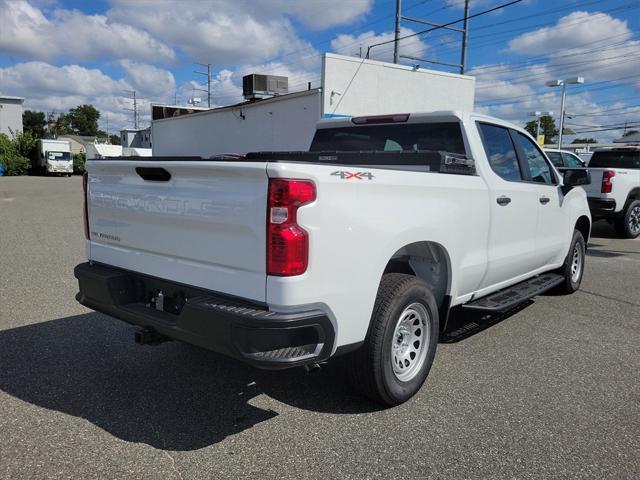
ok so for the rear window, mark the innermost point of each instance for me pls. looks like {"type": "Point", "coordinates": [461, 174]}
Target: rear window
{"type": "Point", "coordinates": [616, 159]}
{"type": "Point", "coordinates": [390, 138]}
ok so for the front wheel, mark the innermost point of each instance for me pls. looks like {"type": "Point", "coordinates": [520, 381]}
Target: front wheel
{"type": "Point", "coordinates": [573, 267]}
{"type": "Point", "coordinates": [628, 226]}
{"type": "Point", "coordinates": [401, 342]}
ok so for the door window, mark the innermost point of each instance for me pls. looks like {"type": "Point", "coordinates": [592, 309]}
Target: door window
{"type": "Point", "coordinates": [556, 158]}
{"type": "Point", "coordinates": [500, 152]}
{"type": "Point", "coordinates": [572, 161]}
{"type": "Point", "coordinates": [538, 166]}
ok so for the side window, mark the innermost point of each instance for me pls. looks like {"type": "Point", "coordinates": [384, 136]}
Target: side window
{"type": "Point", "coordinates": [556, 158]}
{"type": "Point", "coordinates": [500, 152]}
{"type": "Point", "coordinates": [538, 166]}
{"type": "Point", "coordinates": [571, 161]}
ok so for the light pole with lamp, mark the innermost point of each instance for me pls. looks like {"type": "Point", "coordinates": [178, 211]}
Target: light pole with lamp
{"type": "Point", "coordinates": [563, 84]}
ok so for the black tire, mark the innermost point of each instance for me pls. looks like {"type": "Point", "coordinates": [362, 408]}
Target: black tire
{"type": "Point", "coordinates": [572, 282]}
{"type": "Point", "coordinates": [371, 367]}
{"type": "Point", "coordinates": [627, 225]}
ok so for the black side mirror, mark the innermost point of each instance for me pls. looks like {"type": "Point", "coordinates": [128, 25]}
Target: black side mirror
{"type": "Point", "coordinates": [576, 177]}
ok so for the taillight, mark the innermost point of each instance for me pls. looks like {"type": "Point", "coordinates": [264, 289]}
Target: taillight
{"type": "Point", "coordinates": [85, 210]}
{"type": "Point", "coordinates": [287, 242]}
{"type": "Point", "coordinates": [607, 184]}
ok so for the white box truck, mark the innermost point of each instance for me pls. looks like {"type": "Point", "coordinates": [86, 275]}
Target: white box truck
{"type": "Point", "coordinates": [54, 157]}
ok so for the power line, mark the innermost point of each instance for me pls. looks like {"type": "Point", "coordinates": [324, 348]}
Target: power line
{"type": "Point", "coordinates": [444, 25]}
{"type": "Point", "coordinates": [208, 75]}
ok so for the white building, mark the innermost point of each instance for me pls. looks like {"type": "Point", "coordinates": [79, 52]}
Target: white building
{"type": "Point", "coordinates": [350, 86]}
{"type": "Point", "coordinates": [10, 115]}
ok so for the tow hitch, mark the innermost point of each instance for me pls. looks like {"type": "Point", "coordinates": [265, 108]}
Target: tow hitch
{"type": "Point", "coordinates": [148, 336]}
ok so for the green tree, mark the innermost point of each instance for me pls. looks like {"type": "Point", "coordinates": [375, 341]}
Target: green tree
{"type": "Point", "coordinates": [10, 158]}
{"type": "Point", "coordinates": [84, 120]}
{"type": "Point", "coordinates": [60, 125]}
{"type": "Point", "coordinates": [584, 140]}
{"type": "Point", "coordinates": [34, 123]}
{"type": "Point", "coordinates": [25, 143]}
{"type": "Point", "coordinates": [628, 133]}
{"type": "Point", "coordinates": [115, 139]}
{"type": "Point", "coordinates": [547, 128]}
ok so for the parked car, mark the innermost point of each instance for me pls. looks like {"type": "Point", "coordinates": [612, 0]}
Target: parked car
{"type": "Point", "coordinates": [614, 194]}
{"type": "Point", "coordinates": [563, 159]}
{"type": "Point", "coordinates": [360, 246]}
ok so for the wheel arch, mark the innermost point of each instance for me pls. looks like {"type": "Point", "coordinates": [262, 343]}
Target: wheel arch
{"type": "Point", "coordinates": [431, 262]}
{"type": "Point", "coordinates": [583, 225]}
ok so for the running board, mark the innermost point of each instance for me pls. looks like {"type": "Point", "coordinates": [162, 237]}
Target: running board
{"type": "Point", "coordinates": [508, 298]}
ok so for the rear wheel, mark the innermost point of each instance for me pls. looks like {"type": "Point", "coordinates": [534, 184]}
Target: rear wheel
{"type": "Point", "coordinates": [401, 342]}
{"type": "Point", "coordinates": [573, 267]}
{"type": "Point", "coordinates": [628, 225]}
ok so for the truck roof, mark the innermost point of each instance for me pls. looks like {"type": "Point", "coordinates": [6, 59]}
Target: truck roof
{"type": "Point", "coordinates": [418, 117]}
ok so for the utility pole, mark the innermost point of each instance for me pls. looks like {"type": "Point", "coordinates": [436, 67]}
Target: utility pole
{"type": "Point", "coordinates": [135, 107]}
{"type": "Point", "coordinates": [396, 43]}
{"type": "Point", "coordinates": [465, 28]}
{"type": "Point", "coordinates": [447, 26]}
{"type": "Point", "coordinates": [208, 74]}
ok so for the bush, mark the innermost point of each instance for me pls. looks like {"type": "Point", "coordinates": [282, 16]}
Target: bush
{"type": "Point", "coordinates": [13, 162]}
{"type": "Point", "coordinates": [78, 163]}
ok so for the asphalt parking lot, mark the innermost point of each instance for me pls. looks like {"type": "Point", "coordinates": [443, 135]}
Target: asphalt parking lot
{"type": "Point", "coordinates": [552, 391]}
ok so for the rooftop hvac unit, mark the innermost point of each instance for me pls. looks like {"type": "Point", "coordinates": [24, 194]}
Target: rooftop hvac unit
{"type": "Point", "coordinates": [257, 86]}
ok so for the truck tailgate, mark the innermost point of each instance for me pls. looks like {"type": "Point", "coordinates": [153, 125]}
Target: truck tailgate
{"type": "Point", "coordinates": [205, 226]}
{"type": "Point", "coordinates": [593, 189]}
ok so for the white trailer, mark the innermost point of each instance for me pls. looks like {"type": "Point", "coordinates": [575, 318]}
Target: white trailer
{"type": "Point", "coordinates": [54, 157]}
{"type": "Point", "coordinates": [350, 86]}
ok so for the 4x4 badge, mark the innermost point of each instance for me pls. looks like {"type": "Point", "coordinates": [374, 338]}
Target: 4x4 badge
{"type": "Point", "coordinates": [353, 175]}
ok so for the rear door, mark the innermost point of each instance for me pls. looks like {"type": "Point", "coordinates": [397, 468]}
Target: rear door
{"type": "Point", "coordinates": [514, 210]}
{"type": "Point", "coordinates": [551, 231]}
{"type": "Point", "coordinates": [201, 223]}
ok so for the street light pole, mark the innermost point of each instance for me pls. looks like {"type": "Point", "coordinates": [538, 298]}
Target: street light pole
{"type": "Point", "coordinates": [564, 94]}
{"type": "Point", "coordinates": [539, 116]}
{"type": "Point", "coordinates": [563, 84]}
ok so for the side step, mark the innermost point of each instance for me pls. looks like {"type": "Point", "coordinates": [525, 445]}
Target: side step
{"type": "Point", "coordinates": [508, 298]}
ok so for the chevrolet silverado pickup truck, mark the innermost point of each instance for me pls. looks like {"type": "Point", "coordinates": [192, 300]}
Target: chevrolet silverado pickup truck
{"type": "Point", "coordinates": [614, 194]}
{"type": "Point", "coordinates": [360, 246]}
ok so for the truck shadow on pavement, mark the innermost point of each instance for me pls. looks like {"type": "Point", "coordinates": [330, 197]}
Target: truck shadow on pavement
{"type": "Point", "coordinates": [173, 396]}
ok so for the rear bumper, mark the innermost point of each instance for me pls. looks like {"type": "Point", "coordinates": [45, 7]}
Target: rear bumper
{"type": "Point", "coordinates": [601, 207]}
{"type": "Point", "coordinates": [238, 328]}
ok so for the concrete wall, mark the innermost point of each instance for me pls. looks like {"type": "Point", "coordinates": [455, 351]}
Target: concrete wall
{"type": "Point", "coordinates": [353, 86]}
{"type": "Point", "coordinates": [10, 115]}
{"type": "Point", "coordinates": [282, 123]}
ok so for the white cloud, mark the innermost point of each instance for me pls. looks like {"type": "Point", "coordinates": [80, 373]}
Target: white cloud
{"type": "Point", "coordinates": [27, 31]}
{"type": "Point", "coordinates": [322, 14]}
{"type": "Point", "coordinates": [571, 31]}
{"type": "Point", "coordinates": [347, 44]}
{"type": "Point", "coordinates": [232, 32]}
{"type": "Point", "coordinates": [51, 88]}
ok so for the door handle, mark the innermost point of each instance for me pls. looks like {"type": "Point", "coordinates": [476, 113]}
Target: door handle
{"type": "Point", "coordinates": [503, 201]}
{"type": "Point", "coordinates": [544, 200]}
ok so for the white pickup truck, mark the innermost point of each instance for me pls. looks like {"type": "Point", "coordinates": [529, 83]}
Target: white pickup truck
{"type": "Point", "coordinates": [614, 194]}
{"type": "Point", "coordinates": [360, 246]}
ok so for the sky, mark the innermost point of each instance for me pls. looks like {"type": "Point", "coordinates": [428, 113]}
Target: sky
{"type": "Point", "coordinates": [62, 53]}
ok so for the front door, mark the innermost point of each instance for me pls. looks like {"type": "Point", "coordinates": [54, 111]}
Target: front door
{"type": "Point", "coordinates": [552, 230]}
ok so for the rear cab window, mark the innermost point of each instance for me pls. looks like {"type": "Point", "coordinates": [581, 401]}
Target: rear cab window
{"type": "Point", "coordinates": [625, 159]}
{"type": "Point", "coordinates": [435, 136]}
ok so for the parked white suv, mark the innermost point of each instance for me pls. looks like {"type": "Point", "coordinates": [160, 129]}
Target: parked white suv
{"type": "Point", "coordinates": [614, 194]}
{"type": "Point", "coordinates": [360, 246]}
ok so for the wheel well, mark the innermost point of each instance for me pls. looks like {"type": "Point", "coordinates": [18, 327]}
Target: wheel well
{"type": "Point", "coordinates": [634, 194]}
{"type": "Point", "coordinates": [584, 227]}
{"type": "Point", "coordinates": [428, 261]}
